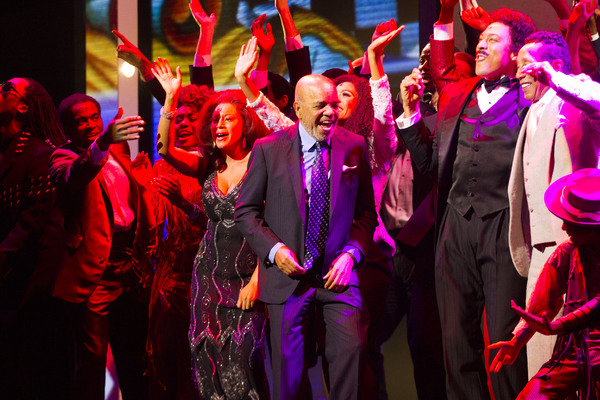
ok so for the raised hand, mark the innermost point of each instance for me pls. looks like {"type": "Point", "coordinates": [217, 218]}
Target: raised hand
{"type": "Point", "coordinates": [581, 13]}
{"type": "Point", "coordinates": [170, 83]}
{"type": "Point", "coordinates": [338, 276]}
{"type": "Point", "coordinates": [202, 19]}
{"type": "Point", "coordinates": [383, 29]}
{"type": "Point", "coordinates": [128, 51]}
{"type": "Point", "coordinates": [266, 41]}
{"type": "Point", "coordinates": [120, 129]}
{"type": "Point", "coordinates": [477, 18]}
{"type": "Point", "coordinates": [247, 59]}
{"type": "Point", "coordinates": [411, 90]}
{"type": "Point", "coordinates": [447, 11]}
{"type": "Point", "coordinates": [378, 44]}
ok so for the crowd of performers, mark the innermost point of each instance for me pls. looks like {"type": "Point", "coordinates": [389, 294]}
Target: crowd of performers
{"type": "Point", "coordinates": [308, 217]}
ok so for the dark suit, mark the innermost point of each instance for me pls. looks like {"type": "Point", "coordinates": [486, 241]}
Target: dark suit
{"type": "Point", "coordinates": [271, 209]}
{"type": "Point", "coordinates": [473, 265]}
{"type": "Point", "coordinates": [96, 276]}
{"type": "Point", "coordinates": [32, 337]}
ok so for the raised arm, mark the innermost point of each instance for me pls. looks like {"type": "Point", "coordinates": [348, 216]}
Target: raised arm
{"type": "Point", "coordinates": [130, 53]}
{"type": "Point", "coordinates": [383, 35]}
{"type": "Point", "coordinates": [201, 71]}
{"type": "Point", "coordinates": [188, 163]}
{"type": "Point", "coordinates": [244, 64]}
{"type": "Point", "coordinates": [265, 42]}
{"type": "Point", "coordinates": [577, 27]}
{"type": "Point", "coordinates": [296, 55]}
{"type": "Point", "coordinates": [580, 91]}
{"type": "Point", "coordinates": [268, 112]}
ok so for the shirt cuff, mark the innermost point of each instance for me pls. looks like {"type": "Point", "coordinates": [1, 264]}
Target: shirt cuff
{"type": "Point", "coordinates": [259, 78]}
{"type": "Point", "coordinates": [595, 36]}
{"type": "Point", "coordinates": [404, 123]}
{"type": "Point", "coordinates": [354, 253]}
{"type": "Point", "coordinates": [202, 60]}
{"type": "Point", "coordinates": [256, 102]}
{"type": "Point", "coordinates": [293, 43]}
{"type": "Point", "coordinates": [96, 154]}
{"type": "Point", "coordinates": [443, 31]}
{"type": "Point", "coordinates": [274, 251]}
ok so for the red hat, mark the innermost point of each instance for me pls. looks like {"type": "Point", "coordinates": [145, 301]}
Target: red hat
{"type": "Point", "coordinates": [576, 197]}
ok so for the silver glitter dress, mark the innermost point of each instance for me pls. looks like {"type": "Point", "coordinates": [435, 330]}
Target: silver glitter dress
{"type": "Point", "coordinates": [226, 342]}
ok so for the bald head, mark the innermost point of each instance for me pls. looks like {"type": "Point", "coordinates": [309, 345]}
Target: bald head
{"type": "Point", "coordinates": [316, 105]}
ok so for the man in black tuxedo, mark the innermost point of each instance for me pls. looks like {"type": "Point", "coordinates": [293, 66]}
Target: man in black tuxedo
{"type": "Point", "coordinates": [471, 151]}
{"type": "Point", "coordinates": [275, 212]}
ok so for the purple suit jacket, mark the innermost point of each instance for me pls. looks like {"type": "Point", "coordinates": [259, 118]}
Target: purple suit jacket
{"type": "Point", "coordinates": [272, 204]}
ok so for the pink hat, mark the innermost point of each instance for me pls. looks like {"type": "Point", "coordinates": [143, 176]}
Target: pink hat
{"type": "Point", "coordinates": [576, 197]}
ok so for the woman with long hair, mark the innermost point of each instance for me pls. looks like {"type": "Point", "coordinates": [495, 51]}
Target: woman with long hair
{"type": "Point", "coordinates": [227, 327]}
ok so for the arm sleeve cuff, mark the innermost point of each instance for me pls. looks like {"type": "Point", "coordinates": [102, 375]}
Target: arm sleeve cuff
{"type": "Point", "coordinates": [274, 251]}
{"type": "Point", "coordinates": [443, 31]}
{"type": "Point", "coordinates": [354, 253]}
{"type": "Point", "coordinates": [595, 36]}
{"type": "Point", "coordinates": [404, 123]}
{"type": "Point", "coordinates": [293, 43]}
{"type": "Point", "coordinates": [202, 60]}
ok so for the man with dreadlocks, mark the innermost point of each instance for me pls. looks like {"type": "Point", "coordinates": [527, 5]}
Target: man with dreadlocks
{"type": "Point", "coordinates": [30, 236]}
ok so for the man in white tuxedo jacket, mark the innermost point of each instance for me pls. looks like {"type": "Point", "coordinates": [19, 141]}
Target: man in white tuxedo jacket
{"type": "Point", "coordinates": [560, 134]}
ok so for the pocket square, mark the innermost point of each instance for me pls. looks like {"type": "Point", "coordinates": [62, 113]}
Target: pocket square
{"type": "Point", "coordinates": [346, 168]}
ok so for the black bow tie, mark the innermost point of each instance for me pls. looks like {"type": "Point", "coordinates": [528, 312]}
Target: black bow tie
{"type": "Point", "coordinates": [491, 85]}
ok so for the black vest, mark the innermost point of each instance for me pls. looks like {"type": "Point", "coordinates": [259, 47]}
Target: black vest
{"type": "Point", "coordinates": [486, 144]}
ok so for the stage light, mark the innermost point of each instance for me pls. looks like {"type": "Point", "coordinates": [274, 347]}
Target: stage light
{"type": "Point", "coordinates": [127, 70]}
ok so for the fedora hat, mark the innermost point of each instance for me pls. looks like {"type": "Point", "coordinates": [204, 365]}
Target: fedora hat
{"type": "Point", "coordinates": [576, 197]}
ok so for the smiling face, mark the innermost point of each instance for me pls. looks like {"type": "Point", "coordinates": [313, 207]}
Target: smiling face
{"type": "Point", "coordinates": [317, 105]}
{"type": "Point", "coordinates": [532, 88]}
{"type": "Point", "coordinates": [494, 57]}
{"type": "Point", "coordinates": [187, 127]}
{"type": "Point", "coordinates": [87, 124]}
{"type": "Point", "coordinates": [227, 127]}
{"type": "Point", "coordinates": [348, 97]}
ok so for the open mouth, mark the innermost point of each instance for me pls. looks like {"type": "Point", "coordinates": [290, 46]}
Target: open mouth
{"type": "Point", "coordinates": [525, 85]}
{"type": "Point", "coordinates": [221, 136]}
{"type": "Point", "coordinates": [327, 125]}
{"type": "Point", "coordinates": [480, 56]}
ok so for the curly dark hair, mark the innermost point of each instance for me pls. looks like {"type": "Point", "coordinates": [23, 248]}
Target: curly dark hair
{"type": "Point", "coordinates": [41, 118]}
{"type": "Point", "coordinates": [253, 127]}
{"type": "Point", "coordinates": [194, 96]}
{"type": "Point", "coordinates": [555, 48]}
{"type": "Point", "coordinates": [520, 25]}
{"type": "Point", "coordinates": [361, 119]}
{"type": "Point", "coordinates": [64, 108]}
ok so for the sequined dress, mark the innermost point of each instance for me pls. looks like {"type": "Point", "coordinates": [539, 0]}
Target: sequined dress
{"type": "Point", "coordinates": [226, 342]}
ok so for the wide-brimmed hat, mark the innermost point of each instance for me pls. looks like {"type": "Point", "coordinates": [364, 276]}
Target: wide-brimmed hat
{"type": "Point", "coordinates": [576, 197]}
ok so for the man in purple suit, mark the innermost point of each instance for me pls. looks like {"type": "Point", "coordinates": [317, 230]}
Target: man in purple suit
{"type": "Point", "coordinates": [307, 209]}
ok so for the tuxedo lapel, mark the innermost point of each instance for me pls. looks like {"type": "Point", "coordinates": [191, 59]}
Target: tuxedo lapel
{"type": "Point", "coordinates": [451, 113]}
